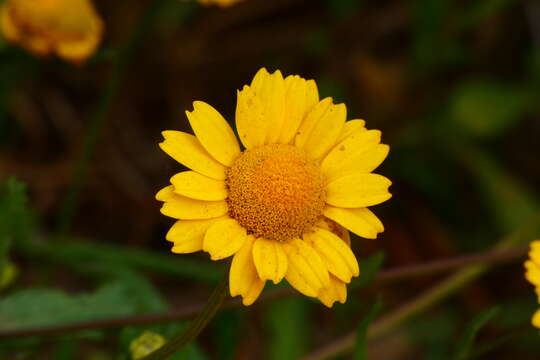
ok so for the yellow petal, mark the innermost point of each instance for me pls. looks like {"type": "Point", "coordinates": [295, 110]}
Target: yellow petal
{"type": "Point", "coordinates": [360, 221]}
{"type": "Point", "coordinates": [536, 319]}
{"type": "Point", "coordinates": [9, 28]}
{"type": "Point", "coordinates": [270, 260]}
{"type": "Point", "coordinates": [321, 128]}
{"type": "Point", "coordinates": [166, 194]}
{"type": "Point", "coordinates": [334, 227]}
{"type": "Point", "coordinates": [350, 127]}
{"type": "Point", "coordinates": [260, 110]}
{"type": "Point", "coordinates": [78, 51]}
{"type": "Point", "coordinates": [534, 253]}
{"type": "Point", "coordinates": [532, 273]}
{"type": "Point", "coordinates": [224, 238]}
{"type": "Point", "coordinates": [188, 235]}
{"type": "Point", "coordinates": [358, 190]}
{"type": "Point", "coordinates": [183, 208]}
{"type": "Point", "coordinates": [306, 271]}
{"type": "Point", "coordinates": [271, 91]}
{"type": "Point", "coordinates": [335, 291]}
{"type": "Point", "coordinates": [243, 277]}
{"type": "Point", "coordinates": [358, 153]}
{"type": "Point", "coordinates": [307, 126]}
{"type": "Point", "coordinates": [196, 186]}
{"type": "Point", "coordinates": [300, 97]}
{"type": "Point", "coordinates": [338, 257]}
{"type": "Point", "coordinates": [188, 151]}
{"type": "Point", "coordinates": [214, 133]}
{"type": "Point", "coordinates": [250, 120]}
{"type": "Point", "coordinates": [37, 45]}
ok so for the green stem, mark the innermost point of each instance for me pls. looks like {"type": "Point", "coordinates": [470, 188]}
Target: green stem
{"type": "Point", "coordinates": [120, 61]}
{"type": "Point", "coordinates": [432, 296]}
{"type": "Point", "coordinates": [446, 287]}
{"type": "Point", "coordinates": [141, 260]}
{"type": "Point", "coordinates": [196, 326]}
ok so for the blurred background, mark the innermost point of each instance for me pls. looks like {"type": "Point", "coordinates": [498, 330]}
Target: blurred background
{"type": "Point", "coordinates": [453, 86]}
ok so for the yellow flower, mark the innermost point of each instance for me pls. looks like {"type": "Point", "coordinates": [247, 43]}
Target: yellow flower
{"type": "Point", "coordinates": [223, 3]}
{"type": "Point", "coordinates": [533, 275]}
{"type": "Point", "coordinates": [274, 205]}
{"type": "Point", "coordinates": [145, 344]}
{"type": "Point", "coordinates": [70, 29]}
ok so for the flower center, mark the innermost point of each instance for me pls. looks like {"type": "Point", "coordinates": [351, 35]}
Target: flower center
{"type": "Point", "coordinates": [275, 191]}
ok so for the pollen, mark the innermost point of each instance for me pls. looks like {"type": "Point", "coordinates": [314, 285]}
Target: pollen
{"type": "Point", "coordinates": [275, 192]}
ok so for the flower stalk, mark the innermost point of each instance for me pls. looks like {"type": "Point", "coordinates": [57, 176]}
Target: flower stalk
{"type": "Point", "coordinates": [197, 325]}
{"type": "Point", "coordinates": [385, 277]}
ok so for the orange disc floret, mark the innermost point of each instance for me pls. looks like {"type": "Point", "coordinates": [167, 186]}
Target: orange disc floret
{"type": "Point", "coordinates": [275, 191]}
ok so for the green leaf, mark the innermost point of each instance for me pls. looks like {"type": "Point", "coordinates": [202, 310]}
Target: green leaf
{"type": "Point", "coordinates": [466, 342]}
{"type": "Point", "coordinates": [44, 307]}
{"type": "Point", "coordinates": [509, 200]}
{"type": "Point", "coordinates": [66, 350]}
{"type": "Point", "coordinates": [361, 333]}
{"type": "Point", "coordinates": [434, 340]}
{"type": "Point", "coordinates": [144, 295]}
{"type": "Point", "coordinates": [517, 312]}
{"type": "Point", "coordinates": [369, 268]}
{"type": "Point", "coordinates": [227, 330]}
{"type": "Point", "coordinates": [73, 253]}
{"type": "Point", "coordinates": [288, 323]}
{"type": "Point", "coordinates": [16, 222]}
{"type": "Point", "coordinates": [485, 109]}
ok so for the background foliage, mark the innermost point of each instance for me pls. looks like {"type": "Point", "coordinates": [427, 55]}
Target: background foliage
{"type": "Point", "coordinates": [453, 85]}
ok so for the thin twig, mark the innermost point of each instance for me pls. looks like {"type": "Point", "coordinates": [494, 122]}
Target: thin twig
{"type": "Point", "coordinates": [438, 266]}
{"type": "Point", "coordinates": [401, 314]}
{"type": "Point", "coordinates": [399, 273]}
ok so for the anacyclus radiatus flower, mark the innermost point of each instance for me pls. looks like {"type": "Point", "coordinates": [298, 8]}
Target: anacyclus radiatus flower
{"type": "Point", "coordinates": [280, 205]}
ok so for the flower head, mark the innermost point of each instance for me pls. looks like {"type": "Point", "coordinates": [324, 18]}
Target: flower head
{"type": "Point", "coordinates": [70, 29]}
{"type": "Point", "coordinates": [532, 274]}
{"type": "Point", "coordinates": [281, 205]}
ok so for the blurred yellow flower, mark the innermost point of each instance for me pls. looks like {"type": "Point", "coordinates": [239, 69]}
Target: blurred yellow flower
{"type": "Point", "coordinates": [145, 344]}
{"type": "Point", "coordinates": [71, 29]}
{"type": "Point", "coordinates": [223, 3]}
{"type": "Point", "coordinates": [8, 275]}
{"type": "Point", "coordinates": [532, 274]}
{"type": "Point", "coordinates": [275, 205]}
